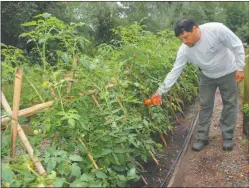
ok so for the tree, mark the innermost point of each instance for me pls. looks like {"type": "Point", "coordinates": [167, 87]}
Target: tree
{"type": "Point", "coordinates": [13, 14]}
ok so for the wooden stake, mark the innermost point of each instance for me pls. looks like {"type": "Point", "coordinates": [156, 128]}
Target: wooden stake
{"type": "Point", "coordinates": [163, 139]}
{"type": "Point", "coordinates": [121, 106]}
{"type": "Point", "coordinates": [88, 153]}
{"type": "Point", "coordinates": [154, 158]}
{"type": "Point", "coordinates": [97, 104]}
{"type": "Point", "coordinates": [27, 111]}
{"type": "Point", "coordinates": [16, 102]}
{"type": "Point", "coordinates": [145, 182]}
{"type": "Point", "coordinates": [95, 101]}
{"type": "Point", "coordinates": [24, 140]}
{"type": "Point", "coordinates": [52, 92]}
{"type": "Point", "coordinates": [75, 60]}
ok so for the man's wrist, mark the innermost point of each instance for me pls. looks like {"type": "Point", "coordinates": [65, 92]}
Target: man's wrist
{"type": "Point", "coordinates": [159, 92]}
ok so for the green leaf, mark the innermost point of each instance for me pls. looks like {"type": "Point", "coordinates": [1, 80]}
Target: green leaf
{"type": "Point", "coordinates": [22, 120]}
{"type": "Point", "coordinates": [100, 175]}
{"type": "Point", "coordinates": [30, 40]}
{"type": "Point", "coordinates": [71, 122]}
{"type": "Point", "coordinates": [29, 179]}
{"type": "Point", "coordinates": [75, 170]}
{"type": "Point", "coordinates": [132, 174]}
{"type": "Point", "coordinates": [29, 23]}
{"type": "Point", "coordinates": [42, 40]}
{"type": "Point", "coordinates": [87, 177]}
{"type": "Point", "coordinates": [65, 57]}
{"type": "Point", "coordinates": [149, 141]}
{"type": "Point", "coordinates": [116, 158]}
{"type": "Point", "coordinates": [7, 173]}
{"type": "Point", "coordinates": [4, 45]}
{"type": "Point", "coordinates": [77, 183]}
{"type": "Point", "coordinates": [105, 138]}
{"type": "Point", "coordinates": [17, 183]}
{"type": "Point", "coordinates": [119, 150]}
{"type": "Point", "coordinates": [81, 42]}
{"type": "Point", "coordinates": [25, 35]}
{"type": "Point", "coordinates": [95, 184]}
{"type": "Point", "coordinates": [75, 158]}
{"type": "Point", "coordinates": [59, 182]}
{"type": "Point", "coordinates": [63, 168]}
{"type": "Point", "coordinates": [117, 110]}
{"type": "Point", "coordinates": [51, 164]}
{"type": "Point", "coordinates": [106, 152]}
{"type": "Point", "coordinates": [122, 177]}
{"type": "Point", "coordinates": [62, 153]}
{"type": "Point", "coordinates": [38, 16]}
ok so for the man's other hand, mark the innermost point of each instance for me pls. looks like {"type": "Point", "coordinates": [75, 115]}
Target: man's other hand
{"type": "Point", "coordinates": [239, 76]}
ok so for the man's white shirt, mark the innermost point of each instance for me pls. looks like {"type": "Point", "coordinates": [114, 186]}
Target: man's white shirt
{"type": "Point", "coordinates": [218, 53]}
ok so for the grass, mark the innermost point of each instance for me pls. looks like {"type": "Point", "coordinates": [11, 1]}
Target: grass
{"type": "Point", "coordinates": [241, 84]}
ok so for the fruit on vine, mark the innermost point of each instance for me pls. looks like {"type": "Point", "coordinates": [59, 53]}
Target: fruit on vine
{"type": "Point", "coordinates": [155, 100]}
{"type": "Point", "coordinates": [35, 132]}
{"type": "Point", "coordinates": [148, 102]}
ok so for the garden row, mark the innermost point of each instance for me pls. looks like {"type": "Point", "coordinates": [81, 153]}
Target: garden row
{"type": "Point", "coordinates": [99, 130]}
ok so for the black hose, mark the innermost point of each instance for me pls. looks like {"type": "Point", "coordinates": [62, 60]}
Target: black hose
{"type": "Point", "coordinates": [179, 154]}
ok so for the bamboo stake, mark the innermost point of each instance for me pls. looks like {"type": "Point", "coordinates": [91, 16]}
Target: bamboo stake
{"type": "Point", "coordinates": [28, 111]}
{"type": "Point", "coordinates": [72, 74]}
{"type": "Point", "coordinates": [24, 140]}
{"type": "Point", "coordinates": [88, 153]}
{"type": "Point", "coordinates": [154, 158]}
{"type": "Point", "coordinates": [90, 92]}
{"type": "Point", "coordinates": [97, 104]}
{"type": "Point", "coordinates": [121, 106]}
{"type": "Point", "coordinates": [163, 139]}
{"type": "Point", "coordinates": [145, 182]}
{"type": "Point", "coordinates": [52, 92]}
{"type": "Point", "coordinates": [93, 91]}
{"type": "Point", "coordinates": [95, 101]}
{"type": "Point", "coordinates": [16, 102]}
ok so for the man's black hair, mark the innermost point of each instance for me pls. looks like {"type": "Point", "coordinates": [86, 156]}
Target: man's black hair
{"type": "Point", "coordinates": [184, 24]}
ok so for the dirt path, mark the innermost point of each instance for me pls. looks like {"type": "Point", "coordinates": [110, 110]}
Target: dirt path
{"type": "Point", "coordinates": [213, 167]}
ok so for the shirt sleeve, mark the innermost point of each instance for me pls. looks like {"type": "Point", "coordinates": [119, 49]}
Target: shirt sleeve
{"type": "Point", "coordinates": [231, 41]}
{"type": "Point", "coordinates": [172, 76]}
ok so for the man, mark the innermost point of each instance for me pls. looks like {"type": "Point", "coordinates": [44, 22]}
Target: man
{"type": "Point", "coordinates": [220, 55]}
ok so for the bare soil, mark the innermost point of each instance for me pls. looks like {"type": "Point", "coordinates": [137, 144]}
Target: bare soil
{"type": "Point", "coordinates": [211, 167]}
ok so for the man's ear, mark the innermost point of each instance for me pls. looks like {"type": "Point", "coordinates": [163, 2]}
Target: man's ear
{"type": "Point", "coordinates": [194, 28]}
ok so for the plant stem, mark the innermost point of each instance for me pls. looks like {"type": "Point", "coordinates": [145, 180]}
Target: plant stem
{"type": "Point", "coordinates": [34, 88]}
{"type": "Point", "coordinates": [58, 90]}
{"type": "Point", "coordinates": [34, 172]}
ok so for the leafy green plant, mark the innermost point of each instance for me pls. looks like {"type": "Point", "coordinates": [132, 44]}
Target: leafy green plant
{"type": "Point", "coordinates": [103, 116]}
{"type": "Point", "coordinates": [245, 109]}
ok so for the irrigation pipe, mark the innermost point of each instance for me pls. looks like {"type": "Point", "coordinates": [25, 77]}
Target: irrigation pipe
{"type": "Point", "coordinates": [193, 122]}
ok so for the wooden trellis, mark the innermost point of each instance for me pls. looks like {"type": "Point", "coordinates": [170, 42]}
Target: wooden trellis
{"type": "Point", "coordinates": [16, 128]}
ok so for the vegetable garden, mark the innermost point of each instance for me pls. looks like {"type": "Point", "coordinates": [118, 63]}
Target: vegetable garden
{"type": "Point", "coordinates": [97, 132]}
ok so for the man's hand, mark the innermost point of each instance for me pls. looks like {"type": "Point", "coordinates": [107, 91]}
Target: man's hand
{"type": "Point", "coordinates": [239, 76]}
{"type": "Point", "coordinates": [156, 99]}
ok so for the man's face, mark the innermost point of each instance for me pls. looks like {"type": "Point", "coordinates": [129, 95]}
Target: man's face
{"type": "Point", "coordinates": [189, 38]}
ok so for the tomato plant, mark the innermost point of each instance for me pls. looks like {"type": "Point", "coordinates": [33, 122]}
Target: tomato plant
{"type": "Point", "coordinates": [103, 115]}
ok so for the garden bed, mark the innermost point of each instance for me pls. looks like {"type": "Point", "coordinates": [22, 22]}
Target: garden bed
{"type": "Point", "coordinates": [210, 167]}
